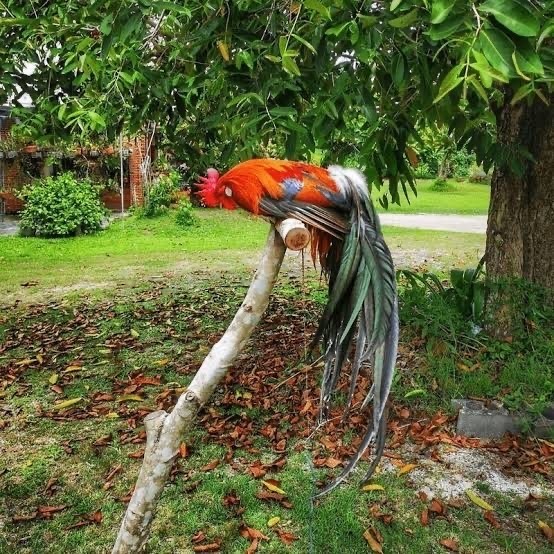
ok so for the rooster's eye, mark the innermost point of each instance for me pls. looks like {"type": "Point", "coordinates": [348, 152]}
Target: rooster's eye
{"type": "Point", "coordinates": [228, 191]}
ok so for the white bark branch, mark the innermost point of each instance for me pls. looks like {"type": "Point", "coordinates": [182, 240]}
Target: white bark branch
{"type": "Point", "coordinates": [164, 431]}
{"type": "Point", "coordinates": [294, 233]}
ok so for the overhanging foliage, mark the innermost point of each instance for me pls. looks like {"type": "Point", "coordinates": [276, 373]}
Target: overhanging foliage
{"type": "Point", "coordinates": [221, 77]}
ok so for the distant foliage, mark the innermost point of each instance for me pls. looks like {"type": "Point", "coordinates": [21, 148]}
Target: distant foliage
{"type": "Point", "coordinates": [161, 194]}
{"type": "Point", "coordinates": [61, 206]}
{"type": "Point", "coordinates": [440, 156]}
{"type": "Point", "coordinates": [478, 176]}
{"type": "Point", "coordinates": [442, 185]}
{"type": "Point", "coordinates": [185, 213]}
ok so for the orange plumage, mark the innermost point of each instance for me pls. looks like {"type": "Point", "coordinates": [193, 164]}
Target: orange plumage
{"type": "Point", "coordinates": [362, 308]}
{"type": "Point", "coordinates": [246, 184]}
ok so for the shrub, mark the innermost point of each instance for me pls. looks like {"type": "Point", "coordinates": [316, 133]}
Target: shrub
{"type": "Point", "coordinates": [161, 194]}
{"type": "Point", "coordinates": [61, 206]}
{"type": "Point", "coordinates": [478, 176]}
{"type": "Point", "coordinates": [442, 185]}
{"type": "Point", "coordinates": [185, 215]}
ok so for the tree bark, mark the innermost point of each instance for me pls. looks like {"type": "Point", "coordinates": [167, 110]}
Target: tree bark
{"type": "Point", "coordinates": [164, 431]}
{"type": "Point", "coordinates": [520, 231]}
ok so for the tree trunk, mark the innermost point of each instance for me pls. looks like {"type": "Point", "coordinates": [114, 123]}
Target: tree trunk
{"type": "Point", "coordinates": [520, 232]}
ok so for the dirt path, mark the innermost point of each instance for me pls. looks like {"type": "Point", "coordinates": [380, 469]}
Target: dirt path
{"type": "Point", "coordinates": [437, 222]}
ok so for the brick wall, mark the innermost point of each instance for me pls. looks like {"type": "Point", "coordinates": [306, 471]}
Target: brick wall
{"type": "Point", "coordinates": [12, 177]}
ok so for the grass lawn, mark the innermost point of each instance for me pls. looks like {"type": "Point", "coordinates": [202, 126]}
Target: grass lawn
{"type": "Point", "coordinates": [133, 250]}
{"type": "Point", "coordinates": [465, 199]}
{"type": "Point", "coordinates": [162, 296]}
{"type": "Point", "coordinates": [66, 473]}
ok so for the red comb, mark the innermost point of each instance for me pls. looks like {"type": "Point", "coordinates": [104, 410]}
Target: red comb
{"type": "Point", "coordinates": [207, 188]}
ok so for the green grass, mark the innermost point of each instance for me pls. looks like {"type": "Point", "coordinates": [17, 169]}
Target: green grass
{"type": "Point", "coordinates": [134, 250]}
{"type": "Point", "coordinates": [176, 322]}
{"type": "Point", "coordinates": [465, 199]}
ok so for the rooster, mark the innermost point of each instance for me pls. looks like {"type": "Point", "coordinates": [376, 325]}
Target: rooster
{"type": "Point", "coordinates": [362, 308]}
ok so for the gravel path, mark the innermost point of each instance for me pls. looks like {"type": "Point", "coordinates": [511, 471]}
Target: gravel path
{"type": "Point", "coordinates": [437, 222]}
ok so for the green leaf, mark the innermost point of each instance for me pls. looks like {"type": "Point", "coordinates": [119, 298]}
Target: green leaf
{"type": "Point", "coordinates": [394, 4]}
{"type": "Point", "coordinates": [528, 60]}
{"type": "Point", "coordinates": [547, 31]}
{"type": "Point", "coordinates": [440, 10]}
{"type": "Point", "coordinates": [318, 7]}
{"type": "Point", "coordinates": [404, 20]}
{"type": "Point", "coordinates": [514, 15]}
{"type": "Point", "coordinates": [367, 20]}
{"type": "Point", "coordinates": [398, 70]}
{"type": "Point", "coordinates": [282, 45]}
{"type": "Point", "coordinates": [283, 111]}
{"type": "Point", "coordinates": [169, 6]}
{"type": "Point", "coordinates": [305, 43]}
{"type": "Point", "coordinates": [450, 82]}
{"type": "Point", "coordinates": [478, 88]}
{"type": "Point", "coordinates": [289, 65]}
{"type": "Point", "coordinates": [415, 392]}
{"type": "Point", "coordinates": [522, 92]}
{"type": "Point", "coordinates": [518, 69]}
{"type": "Point", "coordinates": [446, 28]}
{"type": "Point", "coordinates": [498, 48]}
{"type": "Point", "coordinates": [337, 30]}
{"type": "Point", "coordinates": [354, 32]}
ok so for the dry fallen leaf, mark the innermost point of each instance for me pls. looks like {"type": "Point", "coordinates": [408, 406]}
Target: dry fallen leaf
{"type": "Point", "coordinates": [130, 397]}
{"type": "Point", "coordinates": [251, 533]}
{"type": "Point", "coordinates": [450, 544]}
{"type": "Point", "coordinates": [53, 379]}
{"type": "Point", "coordinates": [547, 531]}
{"type": "Point", "coordinates": [372, 542]}
{"type": "Point", "coordinates": [478, 501]}
{"type": "Point", "coordinates": [71, 368]}
{"type": "Point", "coordinates": [491, 518]}
{"type": "Point", "coordinates": [210, 466]}
{"type": "Point", "coordinates": [424, 518]}
{"type": "Point", "coordinates": [437, 506]}
{"type": "Point", "coordinates": [212, 547]}
{"type": "Point", "coordinates": [332, 462]}
{"type": "Point", "coordinates": [406, 468]}
{"type": "Point", "coordinates": [67, 403]}
{"type": "Point", "coordinates": [286, 537]}
{"type": "Point", "coordinates": [183, 450]}
{"type": "Point", "coordinates": [373, 487]}
{"type": "Point", "coordinates": [274, 486]}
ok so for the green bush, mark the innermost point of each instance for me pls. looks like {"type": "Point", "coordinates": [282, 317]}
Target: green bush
{"type": "Point", "coordinates": [462, 360]}
{"type": "Point", "coordinates": [61, 206]}
{"type": "Point", "coordinates": [161, 194]}
{"type": "Point", "coordinates": [442, 185]}
{"type": "Point", "coordinates": [185, 214]}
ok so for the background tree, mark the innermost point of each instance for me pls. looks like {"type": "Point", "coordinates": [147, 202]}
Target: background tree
{"type": "Point", "coordinates": [345, 77]}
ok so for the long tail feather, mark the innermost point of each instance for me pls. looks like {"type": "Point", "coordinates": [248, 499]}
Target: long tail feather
{"type": "Point", "coordinates": [362, 298]}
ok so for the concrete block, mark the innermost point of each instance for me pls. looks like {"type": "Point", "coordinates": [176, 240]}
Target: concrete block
{"type": "Point", "coordinates": [544, 428]}
{"type": "Point", "coordinates": [476, 420]}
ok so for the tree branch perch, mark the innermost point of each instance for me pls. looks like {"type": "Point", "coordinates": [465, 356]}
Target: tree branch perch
{"type": "Point", "coordinates": [164, 431]}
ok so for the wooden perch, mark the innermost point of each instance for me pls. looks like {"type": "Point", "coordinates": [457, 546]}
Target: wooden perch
{"type": "Point", "coordinates": [164, 431]}
{"type": "Point", "coordinates": [294, 233]}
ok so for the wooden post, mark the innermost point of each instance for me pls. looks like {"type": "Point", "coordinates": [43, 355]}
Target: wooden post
{"type": "Point", "coordinates": [164, 431]}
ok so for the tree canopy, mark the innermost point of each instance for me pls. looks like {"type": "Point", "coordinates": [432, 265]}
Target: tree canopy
{"type": "Point", "coordinates": [222, 77]}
